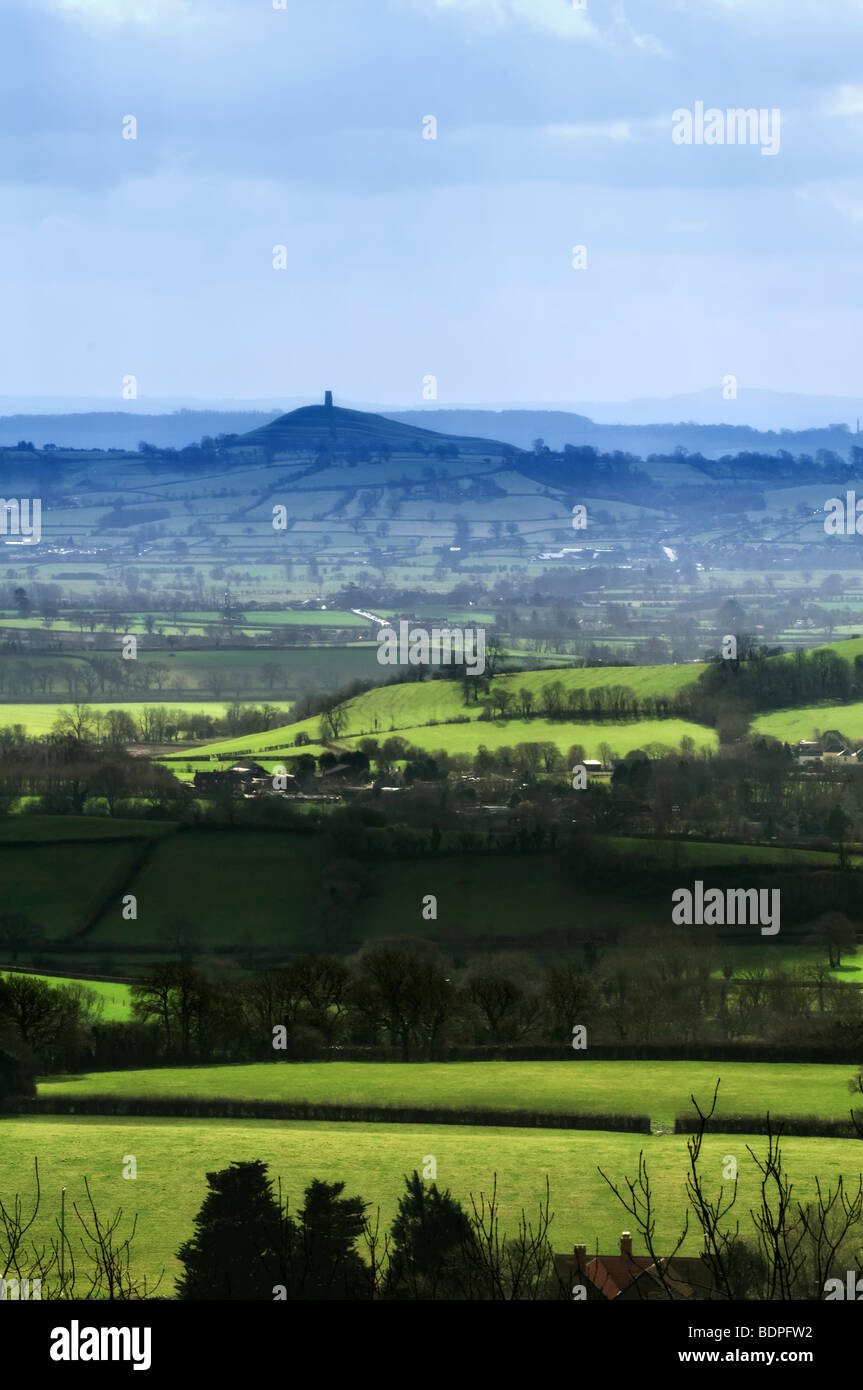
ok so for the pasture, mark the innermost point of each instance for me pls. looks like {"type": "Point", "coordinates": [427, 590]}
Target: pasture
{"type": "Point", "coordinates": [260, 888]}
{"type": "Point", "coordinates": [50, 829]}
{"type": "Point", "coordinates": [661, 1089]}
{"type": "Point", "coordinates": [407, 706]}
{"type": "Point", "coordinates": [38, 718]}
{"type": "Point", "coordinates": [114, 996]}
{"type": "Point", "coordinates": [264, 887]}
{"type": "Point", "coordinates": [61, 885]}
{"type": "Point", "coordinates": [174, 1157]}
{"type": "Point", "coordinates": [792, 725]}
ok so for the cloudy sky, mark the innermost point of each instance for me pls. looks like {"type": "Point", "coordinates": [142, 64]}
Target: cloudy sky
{"type": "Point", "coordinates": [409, 257]}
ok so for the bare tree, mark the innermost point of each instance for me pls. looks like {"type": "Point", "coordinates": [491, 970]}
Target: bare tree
{"type": "Point", "coordinates": [792, 1249]}
{"type": "Point", "coordinates": [103, 1269]}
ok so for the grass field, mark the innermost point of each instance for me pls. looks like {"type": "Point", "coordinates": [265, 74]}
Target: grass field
{"type": "Point", "coordinates": [263, 887]}
{"type": "Point", "coordinates": [302, 668]}
{"type": "Point", "coordinates": [174, 1156]}
{"type": "Point", "coordinates": [115, 997]}
{"type": "Point", "coordinates": [660, 1089]}
{"type": "Point", "coordinates": [405, 707]}
{"type": "Point", "coordinates": [39, 718]}
{"type": "Point", "coordinates": [204, 877]}
{"type": "Point", "coordinates": [792, 725]}
{"type": "Point", "coordinates": [702, 854]}
{"type": "Point", "coordinates": [621, 737]}
{"type": "Point", "coordinates": [53, 828]}
{"type": "Point", "coordinates": [61, 885]}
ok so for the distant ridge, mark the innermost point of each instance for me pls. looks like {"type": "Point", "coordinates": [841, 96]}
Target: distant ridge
{"type": "Point", "coordinates": [472, 431]}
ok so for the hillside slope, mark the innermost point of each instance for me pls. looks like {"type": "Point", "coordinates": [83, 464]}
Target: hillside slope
{"type": "Point", "coordinates": [408, 708]}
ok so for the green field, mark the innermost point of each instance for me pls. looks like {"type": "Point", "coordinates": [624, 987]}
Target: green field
{"type": "Point", "coordinates": [307, 617]}
{"type": "Point", "coordinates": [61, 885]}
{"type": "Point", "coordinates": [621, 738]}
{"type": "Point", "coordinates": [406, 707]}
{"type": "Point", "coordinates": [174, 1156]}
{"type": "Point", "coordinates": [702, 854]}
{"type": "Point", "coordinates": [115, 997]}
{"type": "Point", "coordinates": [264, 888]}
{"type": "Point", "coordinates": [792, 725]}
{"type": "Point", "coordinates": [660, 1089]}
{"type": "Point", "coordinates": [49, 829]}
{"type": "Point", "coordinates": [39, 718]}
{"type": "Point", "coordinates": [233, 886]}
{"type": "Point", "coordinates": [302, 669]}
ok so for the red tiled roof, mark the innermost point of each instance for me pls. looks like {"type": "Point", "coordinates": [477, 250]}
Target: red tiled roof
{"type": "Point", "coordinates": [611, 1273]}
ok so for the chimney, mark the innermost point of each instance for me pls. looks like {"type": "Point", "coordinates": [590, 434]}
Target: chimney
{"type": "Point", "coordinates": [328, 400]}
{"type": "Point", "coordinates": [626, 1244]}
{"type": "Point", "coordinates": [580, 1252]}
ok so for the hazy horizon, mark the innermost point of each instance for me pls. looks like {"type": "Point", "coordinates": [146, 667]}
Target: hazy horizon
{"type": "Point", "coordinates": [761, 410]}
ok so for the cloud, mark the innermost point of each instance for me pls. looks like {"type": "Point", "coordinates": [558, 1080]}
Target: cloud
{"type": "Point", "coordinates": [118, 12]}
{"type": "Point", "coordinates": [646, 43]}
{"type": "Point", "coordinates": [842, 196]}
{"type": "Point", "coordinates": [561, 19]}
{"type": "Point", "coordinates": [606, 130]}
{"type": "Point", "coordinates": [844, 100]}
{"type": "Point", "coordinates": [557, 17]}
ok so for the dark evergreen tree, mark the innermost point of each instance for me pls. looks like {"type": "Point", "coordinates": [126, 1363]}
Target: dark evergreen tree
{"type": "Point", "coordinates": [240, 1234]}
{"type": "Point", "coordinates": [324, 1261]}
{"type": "Point", "coordinates": [431, 1240]}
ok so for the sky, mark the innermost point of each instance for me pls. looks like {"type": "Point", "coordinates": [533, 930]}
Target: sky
{"type": "Point", "coordinates": [409, 258]}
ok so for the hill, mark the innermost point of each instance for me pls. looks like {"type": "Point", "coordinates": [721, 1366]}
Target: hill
{"type": "Point", "coordinates": [419, 712]}
{"type": "Point", "coordinates": [330, 426]}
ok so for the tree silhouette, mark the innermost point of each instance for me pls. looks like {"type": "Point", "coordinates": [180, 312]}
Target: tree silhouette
{"type": "Point", "coordinates": [324, 1263]}
{"type": "Point", "coordinates": [430, 1240]}
{"type": "Point", "coordinates": [235, 1251]}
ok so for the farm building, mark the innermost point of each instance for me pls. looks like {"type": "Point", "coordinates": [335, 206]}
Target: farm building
{"type": "Point", "coordinates": [626, 1276]}
{"type": "Point", "coordinates": [829, 749]}
{"type": "Point", "coordinates": [248, 770]}
{"type": "Point", "coordinates": [247, 777]}
{"type": "Point", "coordinates": [809, 751]}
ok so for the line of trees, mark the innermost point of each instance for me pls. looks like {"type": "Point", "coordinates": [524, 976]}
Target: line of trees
{"type": "Point", "coordinates": [248, 1245]}
{"type": "Point", "coordinates": [654, 988]}
{"type": "Point", "coordinates": [761, 682]}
